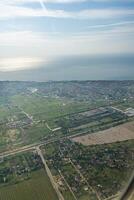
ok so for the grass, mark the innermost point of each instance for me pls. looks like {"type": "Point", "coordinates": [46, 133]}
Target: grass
{"type": "Point", "coordinates": [36, 132]}
{"type": "Point", "coordinates": [8, 113]}
{"type": "Point", "coordinates": [4, 113]}
{"type": "Point", "coordinates": [123, 106]}
{"type": "Point", "coordinates": [9, 138]}
{"type": "Point", "coordinates": [48, 108]}
{"type": "Point", "coordinates": [67, 195]}
{"type": "Point", "coordinates": [36, 188]}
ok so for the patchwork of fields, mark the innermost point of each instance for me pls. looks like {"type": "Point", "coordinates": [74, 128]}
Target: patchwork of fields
{"type": "Point", "coordinates": [48, 108]}
{"type": "Point", "coordinates": [31, 118]}
{"type": "Point", "coordinates": [39, 120]}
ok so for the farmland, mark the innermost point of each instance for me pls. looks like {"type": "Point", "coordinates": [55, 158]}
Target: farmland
{"type": "Point", "coordinates": [124, 105]}
{"type": "Point", "coordinates": [37, 112]}
{"type": "Point", "coordinates": [37, 187]}
{"type": "Point", "coordinates": [83, 130]}
{"type": "Point", "coordinates": [24, 177]}
{"type": "Point", "coordinates": [37, 119]}
{"type": "Point", "coordinates": [116, 134]}
{"type": "Point", "coordinates": [48, 108]}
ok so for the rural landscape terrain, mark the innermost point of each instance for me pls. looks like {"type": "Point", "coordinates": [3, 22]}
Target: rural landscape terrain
{"type": "Point", "coordinates": [67, 140]}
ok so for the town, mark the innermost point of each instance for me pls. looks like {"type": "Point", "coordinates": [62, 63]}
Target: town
{"type": "Point", "coordinates": [59, 139]}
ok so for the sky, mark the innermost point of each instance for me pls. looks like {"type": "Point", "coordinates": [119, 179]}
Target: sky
{"type": "Point", "coordinates": [43, 40]}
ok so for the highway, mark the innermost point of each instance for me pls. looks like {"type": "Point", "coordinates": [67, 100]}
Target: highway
{"type": "Point", "coordinates": [26, 148]}
{"type": "Point", "coordinates": [35, 145]}
{"type": "Point", "coordinates": [127, 194]}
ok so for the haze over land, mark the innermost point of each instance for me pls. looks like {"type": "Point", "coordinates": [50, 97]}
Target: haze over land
{"type": "Point", "coordinates": [66, 99]}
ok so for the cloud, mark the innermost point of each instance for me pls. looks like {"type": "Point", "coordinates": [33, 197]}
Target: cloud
{"type": "Point", "coordinates": [111, 25]}
{"type": "Point", "coordinates": [10, 11]}
{"type": "Point", "coordinates": [59, 1]}
{"type": "Point", "coordinates": [45, 1]}
{"type": "Point", "coordinates": [25, 45]}
{"type": "Point", "coordinates": [48, 47]}
{"type": "Point", "coordinates": [18, 63]}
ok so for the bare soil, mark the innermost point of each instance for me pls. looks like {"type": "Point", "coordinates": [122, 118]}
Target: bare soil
{"type": "Point", "coordinates": [116, 134]}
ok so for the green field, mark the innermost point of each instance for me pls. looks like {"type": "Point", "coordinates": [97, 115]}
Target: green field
{"type": "Point", "coordinates": [49, 108]}
{"type": "Point", "coordinates": [9, 138]}
{"type": "Point", "coordinates": [4, 113]}
{"type": "Point", "coordinates": [38, 187]}
{"type": "Point", "coordinates": [40, 108]}
{"type": "Point", "coordinates": [123, 106]}
{"type": "Point", "coordinates": [36, 132]}
{"type": "Point", "coordinates": [53, 113]}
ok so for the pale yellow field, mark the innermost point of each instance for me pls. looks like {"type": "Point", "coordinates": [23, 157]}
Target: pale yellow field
{"type": "Point", "coordinates": [115, 134]}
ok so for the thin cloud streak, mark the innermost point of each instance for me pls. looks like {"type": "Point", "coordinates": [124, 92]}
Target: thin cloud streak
{"type": "Point", "coordinates": [111, 25]}
{"type": "Point", "coordinates": [45, 1]}
{"type": "Point", "coordinates": [42, 5]}
{"type": "Point", "coordinates": [13, 11]}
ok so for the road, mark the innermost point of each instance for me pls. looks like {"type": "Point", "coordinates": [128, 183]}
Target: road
{"type": "Point", "coordinates": [28, 116]}
{"type": "Point", "coordinates": [25, 113]}
{"type": "Point", "coordinates": [53, 130]}
{"type": "Point", "coordinates": [117, 109]}
{"type": "Point", "coordinates": [25, 148]}
{"type": "Point", "coordinates": [54, 184]}
{"type": "Point", "coordinates": [89, 186]}
{"type": "Point", "coordinates": [68, 185]}
{"type": "Point", "coordinates": [35, 145]}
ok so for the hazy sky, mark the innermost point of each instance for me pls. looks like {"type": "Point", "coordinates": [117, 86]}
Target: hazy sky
{"type": "Point", "coordinates": [66, 39]}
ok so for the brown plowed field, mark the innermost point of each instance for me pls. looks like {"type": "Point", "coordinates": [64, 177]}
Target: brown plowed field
{"type": "Point", "coordinates": [115, 134]}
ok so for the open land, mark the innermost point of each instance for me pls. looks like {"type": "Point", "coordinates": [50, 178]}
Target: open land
{"type": "Point", "coordinates": [23, 177]}
{"type": "Point", "coordinates": [43, 127]}
{"type": "Point", "coordinates": [116, 134]}
{"type": "Point", "coordinates": [37, 187]}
